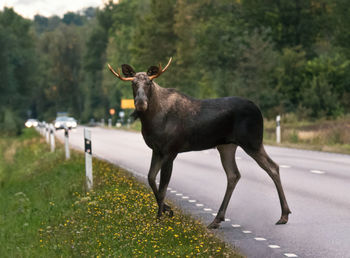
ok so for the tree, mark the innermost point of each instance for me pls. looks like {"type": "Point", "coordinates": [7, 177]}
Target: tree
{"type": "Point", "coordinates": [64, 48]}
{"type": "Point", "coordinates": [291, 23]}
{"type": "Point", "coordinates": [154, 39]}
{"type": "Point", "coordinates": [17, 69]}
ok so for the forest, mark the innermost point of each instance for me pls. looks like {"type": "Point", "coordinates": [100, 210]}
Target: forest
{"type": "Point", "coordinates": [286, 56]}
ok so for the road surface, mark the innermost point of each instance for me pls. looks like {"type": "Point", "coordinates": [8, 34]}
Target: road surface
{"type": "Point", "coordinates": [316, 184]}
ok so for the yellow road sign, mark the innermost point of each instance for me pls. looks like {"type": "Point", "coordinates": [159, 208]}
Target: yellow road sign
{"type": "Point", "coordinates": [127, 104]}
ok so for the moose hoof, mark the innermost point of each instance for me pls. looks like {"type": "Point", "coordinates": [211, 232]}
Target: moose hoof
{"type": "Point", "coordinates": [283, 220]}
{"type": "Point", "coordinates": [214, 225]}
{"type": "Point", "coordinates": [167, 208]}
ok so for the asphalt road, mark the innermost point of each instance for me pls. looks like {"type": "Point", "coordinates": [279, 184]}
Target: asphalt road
{"type": "Point", "coordinates": [316, 184]}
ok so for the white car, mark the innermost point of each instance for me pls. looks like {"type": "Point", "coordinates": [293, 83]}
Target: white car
{"type": "Point", "coordinates": [65, 121]}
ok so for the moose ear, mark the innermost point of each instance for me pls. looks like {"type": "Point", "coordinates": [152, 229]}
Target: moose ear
{"type": "Point", "coordinates": [153, 70]}
{"type": "Point", "coordinates": [128, 71]}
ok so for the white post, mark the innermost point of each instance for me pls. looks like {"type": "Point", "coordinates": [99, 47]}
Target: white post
{"type": "Point", "coordinates": [52, 137]}
{"type": "Point", "coordinates": [66, 142]}
{"type": "Point", "coordinates": [88, 159]}
{"type": "Point", "coordinates": [109, 122]}
{"type": "Point", "coordinates": [128, 123]}
{"type": "Point", "coordinates": [47, 133]}
{"type": "Point", "coordinates": [278, 129]}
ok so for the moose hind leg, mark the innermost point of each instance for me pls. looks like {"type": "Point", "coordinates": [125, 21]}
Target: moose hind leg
{"type": "Point", "coordinates": [227, 155]}
{"type": "Point", "coordinates": [272, 169]}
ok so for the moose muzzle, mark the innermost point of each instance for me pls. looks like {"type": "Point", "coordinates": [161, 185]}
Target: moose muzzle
{"type": "Point", "coordinates": [141, 104]}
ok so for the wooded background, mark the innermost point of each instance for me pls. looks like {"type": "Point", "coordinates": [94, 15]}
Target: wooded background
{"type": "Point", "coordinates": [287, 56]}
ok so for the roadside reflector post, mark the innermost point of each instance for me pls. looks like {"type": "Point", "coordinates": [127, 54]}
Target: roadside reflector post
{"type": "Point", "coordinates": [88, 159]}
{"type": "Point", "coordinates": [52, 137]}
{"type": "Point", "coordinates": [278, 129]}
{"type": "Point", "coordinates": [41, 128]}
{"type": "Point", "coordinates": [66, 142]}
{"type": "Point", "coordinates": [47, 136]}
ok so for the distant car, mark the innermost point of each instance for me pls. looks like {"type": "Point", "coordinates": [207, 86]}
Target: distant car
{"type": "Point", "coordinates": [31, 123]}
{"type": "Point", "coordinates": [65, 121]}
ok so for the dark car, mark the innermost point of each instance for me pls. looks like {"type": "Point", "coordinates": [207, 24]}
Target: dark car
{"type": "Point", "coordinates": [65, 121]}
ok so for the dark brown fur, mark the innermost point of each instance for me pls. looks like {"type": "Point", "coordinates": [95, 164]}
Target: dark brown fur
{"type": "Point", "coordinates": [174, 123]}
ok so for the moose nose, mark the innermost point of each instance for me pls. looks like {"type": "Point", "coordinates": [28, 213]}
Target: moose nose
{"type": "Point", "coordinates": [141, 104]}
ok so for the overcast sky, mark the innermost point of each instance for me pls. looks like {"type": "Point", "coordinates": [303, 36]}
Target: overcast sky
{"type": "Point", "coordinates": [29, 8]}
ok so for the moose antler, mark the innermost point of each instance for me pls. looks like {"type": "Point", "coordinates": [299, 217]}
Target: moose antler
{"type": "Point", "coordinates": [160, 71]}
{"type": "Point", "coordinates": [117, 74]}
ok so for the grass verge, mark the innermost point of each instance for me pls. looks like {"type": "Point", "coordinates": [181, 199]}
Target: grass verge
{"type": "Point", "coordinates": [44, 210]}
{"type": "Point", "coordinates": [321, 135]}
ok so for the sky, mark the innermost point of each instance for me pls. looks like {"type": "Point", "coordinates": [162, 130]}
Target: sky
{"type": "Point", "coordinates": [29, 8]}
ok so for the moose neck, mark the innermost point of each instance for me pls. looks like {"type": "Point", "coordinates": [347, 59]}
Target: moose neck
{"type": "Point", "coordinates": [155, 107]}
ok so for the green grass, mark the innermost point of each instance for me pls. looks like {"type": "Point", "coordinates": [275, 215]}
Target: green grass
{"type": "Point", "coordinates": [44, 210]}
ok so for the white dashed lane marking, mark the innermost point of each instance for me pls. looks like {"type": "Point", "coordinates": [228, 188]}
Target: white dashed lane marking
{"type": "Point", "coordinates": [285, 166]}
{"type": "Point", "coordinates": [237, 225]}
{"type": "Point", "coordinates": [260, 239]}
{"type": "Point", "coordinates": [274, 246]}
{"type": "Point", "coordinates": [315, 171]}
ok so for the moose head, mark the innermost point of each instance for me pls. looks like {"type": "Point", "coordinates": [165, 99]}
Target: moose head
{"type": "Point", "coordinates": [141, 82]}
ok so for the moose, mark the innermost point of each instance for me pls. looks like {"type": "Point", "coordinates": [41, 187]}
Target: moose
{"type": "Point", "coordinates": [173, 123]}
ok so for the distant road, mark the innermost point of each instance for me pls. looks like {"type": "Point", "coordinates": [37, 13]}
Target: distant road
{"type": "Point", "coordinates": [317, 187]}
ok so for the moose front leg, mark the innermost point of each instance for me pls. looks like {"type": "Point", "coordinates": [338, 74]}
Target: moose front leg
{"type": "Point", "coordinates": [165, 174]}
{"type": "Point", "coordinates": [156, 164]}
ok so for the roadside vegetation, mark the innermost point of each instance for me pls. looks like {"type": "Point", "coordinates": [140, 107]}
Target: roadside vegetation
{"type": "Point", "coordinates": [286, 56]}
{"type": "Point", "coordinates": [322, 134]}
{"type": "Point", "coordinates": [44, 210]}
